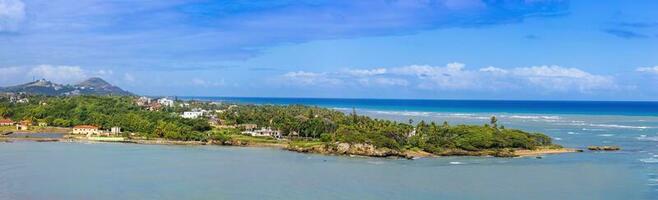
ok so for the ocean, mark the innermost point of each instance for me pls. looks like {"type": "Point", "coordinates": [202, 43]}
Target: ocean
{"type": "Point", "coordinates": [30, 170]}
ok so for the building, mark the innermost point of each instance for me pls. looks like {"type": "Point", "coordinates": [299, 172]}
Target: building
{"type": "Point", "coordinates": [42, 124]}
{"type": "Point", "coordinates": [166, 102]}
{"type": "Point", "coordinates": [6, 122]}
{"type": "Point", "coordinates": [115, 130]}
{"type": "Point", "coordinates": [24, 125]}
{"type": "Point", "coordinates": [264, 132]}
{"type": "Point", "coordinates": [85, 130]}
{"type": "Point", "coordinates": [143, 101]}
{"type": "Point", "coordinates": [192, 114]}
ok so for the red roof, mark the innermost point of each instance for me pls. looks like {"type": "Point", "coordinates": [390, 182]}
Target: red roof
{"type": "Point", "coordinates": [5, 121]}
{"type": "Point", "coordinates": [86, 126]}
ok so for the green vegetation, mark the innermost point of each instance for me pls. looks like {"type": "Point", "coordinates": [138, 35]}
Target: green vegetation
{"type": "Point", "coordinates": [106, 112]}
{"type": "Point", "coordinates": [302, 125]}
{"type": "Point", "coordinates": [333, 126]}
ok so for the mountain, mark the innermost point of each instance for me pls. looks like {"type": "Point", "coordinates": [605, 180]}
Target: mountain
{"type": "Point", "coordinates": [92, 86]}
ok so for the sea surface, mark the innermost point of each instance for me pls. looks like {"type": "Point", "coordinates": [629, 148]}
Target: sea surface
{"type": "Point", "coordinates": [31, 170]}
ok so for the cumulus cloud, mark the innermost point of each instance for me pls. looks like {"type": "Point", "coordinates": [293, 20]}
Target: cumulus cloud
{"type": "Point", "coordinates": [650, 70]}
{"type": "Point", "coordinates": [12, 13]}
{"type": "Point", "coordinates": [455, 76]}
{"type": "Point", "coordinates": [60, 73]}
{"type": "Point", "coordinates": [564, 79]}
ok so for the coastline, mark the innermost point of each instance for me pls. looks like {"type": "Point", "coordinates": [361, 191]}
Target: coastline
{"type": "Point", "coordinates": [337, 149]}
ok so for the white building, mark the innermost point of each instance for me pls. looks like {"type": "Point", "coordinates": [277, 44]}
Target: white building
{"type": "Point", "coordinates": [264, 132]}
{"type": "Point", "coordinates": [115, 130]}
{"type": "Point", "coordinates": [192, 114]}
{"type": "Point", "coordinates": [166, 102]}
{"type": "Point", "coordinates": [86, 130]}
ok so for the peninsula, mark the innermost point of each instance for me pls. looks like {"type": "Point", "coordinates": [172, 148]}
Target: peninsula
{"type": "Point", "coordinates": [293, 127]}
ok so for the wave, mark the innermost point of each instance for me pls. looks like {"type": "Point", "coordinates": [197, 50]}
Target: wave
{"type": "Point", "coordinates": [532, 117]}
{"type": "Point", "coordinates": [645, 138]}
{"type": "Point", "coordinates": [573, 133]}
{"type": "Point", "coordinates": [619, 126]}
{"type": "Point", "coordinates": [457, 163]}
{"type": "Point", "coordinates": [649, 160]}
{"type": "Point", "coordinates": [606, 135]}
{"type": "Point", "coordinates": [403, 113]}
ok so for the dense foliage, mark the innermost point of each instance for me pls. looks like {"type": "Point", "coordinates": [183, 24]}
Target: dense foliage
{"type": "Point", "coordinates": [334, 126]}
{"type": "Point", "coordinates": [105, 112]}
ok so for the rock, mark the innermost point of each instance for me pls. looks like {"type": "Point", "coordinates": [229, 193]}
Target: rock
{"type": "Point", "coordinates": [342, 148]}
{"type": "Point", "coordinates": [603, 148]}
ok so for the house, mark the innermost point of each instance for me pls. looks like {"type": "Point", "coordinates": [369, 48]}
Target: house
{"type": "Point", "coordinates": [192, 114]}
{"type": "Point", "coordinates": [85, 130]}
{"type": "Point", "coordinates": [24, 125]}
{"type": "Point", "coordinates": [264, 132]}
{"type": "Point", "coordinates": [115, 130]}
{"type": "Point", "coordinates": [154, 106]}
{"type": "Point", "coordinates": [42, 124]}
{"type": "Point", "coordinates": [166, 102]}
{"type": "Point", "coordinates": [143, 101]}
{"type": "Point", "coordinates": [6, 122]}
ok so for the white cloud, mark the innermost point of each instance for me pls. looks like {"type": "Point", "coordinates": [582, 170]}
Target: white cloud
{"type": "Point", "coordinates": [310, 78]}
{"type": "Point", "coordinates": [8, 75]}
{"type": "Point", "coordinates": [60, 74]}
{"type": "Point", "coordinates": [205, 83]}
{"type": "Point", "coordinates": [650, 70]}
{"type": "Point", "coordinates": [449, 77]}
{"type": "Point", "coordinates": [455, 76]}
{"type": "Point", "coordinates": [564, 79]}
{"type": "Point", "coordinates": [492, 69]}
{"type": "Point", "coordinates": [12, 13]}
{"type": "Point", "coordinates": [366, 72]}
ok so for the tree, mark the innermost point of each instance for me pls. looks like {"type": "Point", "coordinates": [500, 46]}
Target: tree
{"type": "Point", "coordinates": [494, 122]}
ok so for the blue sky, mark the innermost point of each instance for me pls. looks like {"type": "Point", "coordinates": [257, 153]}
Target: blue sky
{"type": "Point", "coordinates": [437, 49]}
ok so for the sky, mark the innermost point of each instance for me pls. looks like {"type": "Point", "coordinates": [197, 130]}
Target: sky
{"type": "Point", "coordinates": [401, 49]}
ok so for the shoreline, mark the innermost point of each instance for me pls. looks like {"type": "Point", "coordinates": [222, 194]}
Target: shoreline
{"type": "Point", "coordinates": [338, 149]}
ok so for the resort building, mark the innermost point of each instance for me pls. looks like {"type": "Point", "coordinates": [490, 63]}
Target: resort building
{"type": "Point", "coordinates": [6, 122]}
{"type": "Point", "coordinates": [166, 102]}
{"type": "Point", "coordinates": [264, 132]}
{"type": "Point", "coordinates": [85, 130]}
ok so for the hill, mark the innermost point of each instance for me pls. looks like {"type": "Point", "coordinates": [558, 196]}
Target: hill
{"type": "Point", "coordinates": [92, 86]}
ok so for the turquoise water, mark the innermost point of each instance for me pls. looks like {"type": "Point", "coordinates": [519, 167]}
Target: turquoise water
{"type": "Point", "coordinates": [30, 170]}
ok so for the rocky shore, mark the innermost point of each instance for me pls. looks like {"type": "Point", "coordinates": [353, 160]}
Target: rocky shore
{"type": "Point", "coordinates": [346, 149]}
{"type": "Point", "coordinates": [371, 151]}
{"type": "Point", "coordinates": [349, 149]}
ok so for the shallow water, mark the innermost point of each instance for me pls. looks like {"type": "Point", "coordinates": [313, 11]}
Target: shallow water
{"type": "Point", "coordinates": [127, 171]}
{"type": "Point", "coordinates": [30, 170]}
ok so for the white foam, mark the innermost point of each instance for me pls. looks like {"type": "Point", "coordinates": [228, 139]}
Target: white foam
{"type": "Point", "coordinates": [606, 135]}
{"type": "Point", "coordinates": [619, 126]}
{"type": "Point", "coordinates": [456, 163]}
{"type": "Point", "coordinates": [649, 160]}
{"type": "Point", "coordinates": [593, 129]}
{"type": "Point", "coordinates": [572, 133]}
{"type": "Point", "coordinates": [533, 117]}
{"type": "Point", "coordinates": [645, 138]}
{"type": "Point", "coordinates": [557, 138]}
